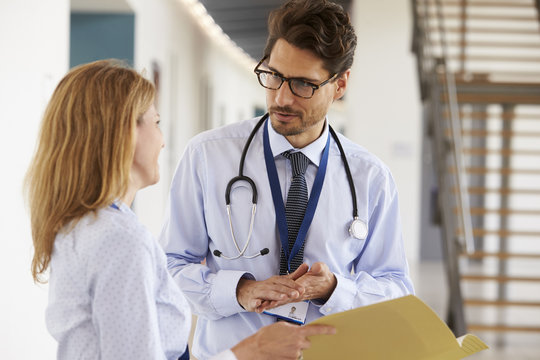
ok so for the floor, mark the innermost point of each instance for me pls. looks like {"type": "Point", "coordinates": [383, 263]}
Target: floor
{"type": "Point", "coordinates": [430, 285]}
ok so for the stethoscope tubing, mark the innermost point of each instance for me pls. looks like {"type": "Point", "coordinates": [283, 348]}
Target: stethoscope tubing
{"type": "Point", "coordinates": [347, 171]}
{"type": "Point", "coordinates": [242, 177]}
{"type": "Point", "coordinates": [254, 198]}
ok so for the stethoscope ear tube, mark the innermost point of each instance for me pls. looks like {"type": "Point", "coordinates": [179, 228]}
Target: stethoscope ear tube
{"type": "Point", "coordinates": [240, 178]}
{"type": "Point", "coordinates": [263, 252]}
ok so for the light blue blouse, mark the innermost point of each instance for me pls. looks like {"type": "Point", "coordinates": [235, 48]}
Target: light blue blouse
{"type": "Point", "coordinates": [110, 295]}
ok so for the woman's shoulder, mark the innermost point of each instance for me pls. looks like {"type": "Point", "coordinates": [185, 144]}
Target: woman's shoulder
{"type": "Point", "coordinates": [112, 229]}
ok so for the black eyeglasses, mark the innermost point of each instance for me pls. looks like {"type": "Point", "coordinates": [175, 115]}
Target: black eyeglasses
{"type": "Point", "coordinates": [299, 87]}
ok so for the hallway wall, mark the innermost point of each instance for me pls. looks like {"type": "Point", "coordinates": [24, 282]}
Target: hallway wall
{"type": "Point", "coordinates": [34, 39]}
{"type": "Point", "coordinates": [383, 112]}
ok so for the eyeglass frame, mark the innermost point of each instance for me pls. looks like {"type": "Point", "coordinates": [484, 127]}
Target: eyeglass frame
{"type": "Point", "coordinates": [313, 86]}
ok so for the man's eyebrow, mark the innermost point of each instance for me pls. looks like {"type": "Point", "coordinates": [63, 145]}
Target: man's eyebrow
{"type": "Point", "coordinates": [293, 77]}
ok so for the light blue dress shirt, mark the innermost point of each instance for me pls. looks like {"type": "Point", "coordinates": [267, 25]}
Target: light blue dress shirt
{"type": "Point", "coordinates": [110, 295]}
{"type": "Point", "coordinates": [196, 224]}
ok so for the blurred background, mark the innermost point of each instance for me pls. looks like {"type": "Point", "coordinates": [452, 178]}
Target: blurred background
{"type": "Point", "coordinates": [201, 54]}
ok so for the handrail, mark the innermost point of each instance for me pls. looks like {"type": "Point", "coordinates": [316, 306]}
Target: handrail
{"type": "Point", "coordinates": [467, 242]}
{"type": "Point", "coordinates": [459, 163]}
{"type": "Point", "coordinates": [455, 124]}
{"type": "Point", "coordinates": [431, 66]}
{"type": "Point", "coordinates": [463, 34]}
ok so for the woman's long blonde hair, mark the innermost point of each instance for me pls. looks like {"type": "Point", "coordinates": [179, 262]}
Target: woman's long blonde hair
{"type": "Point", "coordinates": [85, 149]}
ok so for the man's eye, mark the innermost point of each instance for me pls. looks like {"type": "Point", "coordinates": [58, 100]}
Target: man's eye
{"type": "Point", "coordinates": [300, 83]}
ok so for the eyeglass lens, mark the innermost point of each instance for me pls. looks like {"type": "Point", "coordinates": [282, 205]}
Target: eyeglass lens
{"type": "Point", "coordinates": [274, 82]}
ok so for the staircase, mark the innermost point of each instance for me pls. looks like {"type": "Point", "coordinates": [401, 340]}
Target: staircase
{"type": "Point", "coordinates": [479, 71]}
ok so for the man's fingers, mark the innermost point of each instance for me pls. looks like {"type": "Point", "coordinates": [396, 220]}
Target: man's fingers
{"type": "Point", "coordinates": [276, 295]}
{"type": "Point", "coordinates": [318, 268]}
{"type": "Point", "coordinates": [263, 306]}
{"type": "Point", "coordinates": [265, 294]}
{"type": "Point", "coordinates": [288, 286]}
{"type": "Point", "coordinates": [267, 305]}
{"type": "Point", "coordinates": [277, 290]}
{"type": "Point", "coordinates": [289, 281]}
{"type": "Point", "coordinates": [271, 290]}
{"type": "Point", "coordinates": [255, 303]}
{"type": "Point", "coordinates": [301, 270]}
{"type": "Point", "coordinates": [318, 330]}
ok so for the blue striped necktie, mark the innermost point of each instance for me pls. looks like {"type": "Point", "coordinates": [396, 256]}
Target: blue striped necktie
{"type": "Point", "coordinates": [295, 208]}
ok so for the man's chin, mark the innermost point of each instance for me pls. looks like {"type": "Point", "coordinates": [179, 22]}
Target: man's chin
{"type": "Point", "coordinates": [285, 129]}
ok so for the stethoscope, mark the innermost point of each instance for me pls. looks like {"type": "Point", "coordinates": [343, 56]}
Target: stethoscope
{"type": "Point", "coordinates": [358, 229]}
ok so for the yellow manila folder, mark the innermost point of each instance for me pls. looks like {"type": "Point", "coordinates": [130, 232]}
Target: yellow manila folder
{"type": "Point", "coordinates": [404, 328]}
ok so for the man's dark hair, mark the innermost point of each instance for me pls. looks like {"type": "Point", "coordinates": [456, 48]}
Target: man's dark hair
{"type": "Point", "coordinates": [320, 26]}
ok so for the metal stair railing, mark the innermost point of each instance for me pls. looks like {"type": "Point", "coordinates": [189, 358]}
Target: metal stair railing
{"type": "Point", "coordinates": [437, 83]}
{"type": "Point", "coordinates": [467, 242]}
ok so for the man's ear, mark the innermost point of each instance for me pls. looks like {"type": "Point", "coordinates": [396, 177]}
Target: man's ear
{"type": "Point", "coordinates": [341, 83]}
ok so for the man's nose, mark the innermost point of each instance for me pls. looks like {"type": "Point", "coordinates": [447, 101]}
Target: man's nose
{"type": "Point", "coordinates": [284, 95]}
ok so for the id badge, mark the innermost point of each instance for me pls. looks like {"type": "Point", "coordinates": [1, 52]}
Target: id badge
{"type": "Point", "coordinates": [293, 312]}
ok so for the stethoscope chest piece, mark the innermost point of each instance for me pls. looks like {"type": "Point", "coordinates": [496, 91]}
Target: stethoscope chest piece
{"type": "Point", "coordinates": [358, 229]}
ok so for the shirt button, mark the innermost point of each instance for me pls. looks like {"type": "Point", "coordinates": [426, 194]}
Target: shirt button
{"type": "Point", "coordinates": [328, 309]}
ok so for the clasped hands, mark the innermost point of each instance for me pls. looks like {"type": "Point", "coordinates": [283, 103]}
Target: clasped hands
{"type": "Point", "coordinates": [303, 284]}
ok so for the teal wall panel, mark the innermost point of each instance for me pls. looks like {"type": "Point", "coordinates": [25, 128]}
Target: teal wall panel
{"type": "Point", "coordinates": [101, 36]}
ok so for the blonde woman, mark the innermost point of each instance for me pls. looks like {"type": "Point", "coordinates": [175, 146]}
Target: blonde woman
{"type": "Point", "coordinates": [110, 295]}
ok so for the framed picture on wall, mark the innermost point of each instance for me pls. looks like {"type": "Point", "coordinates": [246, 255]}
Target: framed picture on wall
{"type": "Point", "coordinates": [156, 74]}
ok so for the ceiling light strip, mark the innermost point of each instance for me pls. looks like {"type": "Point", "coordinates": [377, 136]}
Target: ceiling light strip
{"type": "Point", "coordinates": [199, 13]}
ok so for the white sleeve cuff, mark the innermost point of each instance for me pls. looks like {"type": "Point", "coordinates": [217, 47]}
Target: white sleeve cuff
{"type": "Point", "coordinates": [342, 298]}
{"type": "Point", "coordinates": [223, 295]}
{"type": "Point", "coordinates": [224, 355]}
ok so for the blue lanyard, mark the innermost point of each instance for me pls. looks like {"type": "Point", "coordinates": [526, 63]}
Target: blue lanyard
{"type": "Point", "coordinates": [278, 198]}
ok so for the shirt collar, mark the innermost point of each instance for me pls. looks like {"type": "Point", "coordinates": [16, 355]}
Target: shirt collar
{"type": "Point", "coordinates": [120, 205]}
{"type": "Point", "coordinates": [279, 144]}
